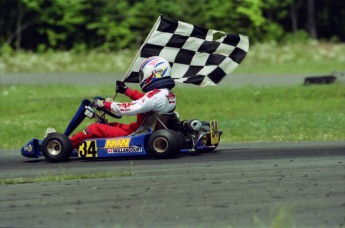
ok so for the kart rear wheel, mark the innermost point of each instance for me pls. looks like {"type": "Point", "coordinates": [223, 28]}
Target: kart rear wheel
{"type": "Point", "coordinates": [57, 147]}
{"type": "Point", "coordinates": [165, 143]}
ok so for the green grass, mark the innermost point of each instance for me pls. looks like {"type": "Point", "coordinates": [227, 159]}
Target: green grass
{"type": "Point", "coordinates": [244, 114]}
{"type": "Point", "coordinates": [281, 215]}
{"type": "Point", "coordinates": [307, 57]}
{"type": "Point", "coordinates": [64, 61]}
{"type": "Point", "coordinates": [296, 58]}
{"type": "Point", "coordinates": [63, 177]}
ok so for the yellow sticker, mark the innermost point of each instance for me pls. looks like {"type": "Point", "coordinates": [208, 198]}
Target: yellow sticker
{"type": "Point", "coordinates": [214, 132]}
{"type": "Point", "coordinates": [117, 143]}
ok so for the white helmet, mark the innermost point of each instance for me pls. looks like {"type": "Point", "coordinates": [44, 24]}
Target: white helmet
{"type": "Point", "coordinates": [151, 72]}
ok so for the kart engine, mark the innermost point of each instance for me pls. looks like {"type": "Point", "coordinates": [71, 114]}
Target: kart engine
{"type": "Point", "coordinates": [193, 125]}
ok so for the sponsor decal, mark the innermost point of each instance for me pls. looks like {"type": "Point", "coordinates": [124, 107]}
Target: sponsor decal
{"type": "Point", "coordinates": [158, 73]}
{"type": "Point", "coordinates": [125, 107]}
{"type": "Point", "coordinates": [133, 149]}
{"type": "Point", "coordinates": [126, 104]}
{"type": "Point", "coordinates": [121, 145]}
{"type": "Point", "coordinates": [214, 132]}
{"type": "Point", "coordinates": [117, 143]}
{"type": "Point", "coordinates": [172, 98]}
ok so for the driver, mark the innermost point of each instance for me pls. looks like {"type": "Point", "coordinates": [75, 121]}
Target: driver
{"type": "Point", "coordinates": [156, 83]}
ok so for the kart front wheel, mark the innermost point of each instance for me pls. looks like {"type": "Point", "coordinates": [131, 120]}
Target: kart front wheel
{"type": "Point", "coordinates": [164, 143]}
{"type": "Point", "coordinates": [57, 147]}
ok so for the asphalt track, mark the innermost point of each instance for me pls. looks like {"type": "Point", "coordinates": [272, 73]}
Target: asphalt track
{"type": "Point", "coordinates": [238, 185]}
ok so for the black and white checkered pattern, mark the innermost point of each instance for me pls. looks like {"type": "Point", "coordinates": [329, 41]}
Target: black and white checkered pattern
{"type": "Point", "coordinates": [197, 55]}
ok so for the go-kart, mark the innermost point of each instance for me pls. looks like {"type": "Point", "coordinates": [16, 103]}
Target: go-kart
{"type": "Point", "coordinates": [160, 135]}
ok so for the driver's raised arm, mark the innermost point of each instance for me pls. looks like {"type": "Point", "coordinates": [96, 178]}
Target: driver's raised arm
{"type": "Point", "coordinates": [131, 93]}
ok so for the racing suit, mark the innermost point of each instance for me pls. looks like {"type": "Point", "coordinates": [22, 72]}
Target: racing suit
{"type": "Point", "coordinates": [157, 100]}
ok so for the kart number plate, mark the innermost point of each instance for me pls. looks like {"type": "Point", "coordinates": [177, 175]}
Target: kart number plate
{"type": "Point", "coordinates": [88, 149]}
{"type": "Point", "coordinates": [214, 132]}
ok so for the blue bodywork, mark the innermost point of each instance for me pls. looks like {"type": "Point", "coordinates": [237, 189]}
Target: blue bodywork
{"type": "Point", "coordinates": [32, 149]}
{"type": "Point", "coordinates": [132, 145]}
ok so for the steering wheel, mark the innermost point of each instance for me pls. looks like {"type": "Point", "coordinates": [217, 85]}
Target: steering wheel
{"type": "Point", "coordinates": [102, 109]}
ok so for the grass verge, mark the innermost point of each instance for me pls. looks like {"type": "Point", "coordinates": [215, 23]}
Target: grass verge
{"type": "Point", "coordinates": [63, 177]}
{"type": "Point", "coordinates": [314, 113]}
{"type": "Point", "coordinates": [309, 57]}
{"type": "Point", "coordinates": [280, 216]}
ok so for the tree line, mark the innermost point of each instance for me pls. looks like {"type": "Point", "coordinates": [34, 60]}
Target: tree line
{"type": "Point", "coordinates": [108, 25]}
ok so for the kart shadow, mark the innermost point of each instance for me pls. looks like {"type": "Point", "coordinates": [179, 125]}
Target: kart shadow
{"type": "Point", "coordinates": [89, 160]}
{"type": "Point", "coordinates": [35, 161]}
{"type": "Point", "coordinates": [129, 158]}
{"type": "Point", "coordinates": [145, 157]}
{"type": "Point", "coordinates": [76, 159]}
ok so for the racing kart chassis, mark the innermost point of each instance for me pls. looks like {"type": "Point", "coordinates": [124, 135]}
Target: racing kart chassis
{"type": "Point", "coordinates": [163, 136]}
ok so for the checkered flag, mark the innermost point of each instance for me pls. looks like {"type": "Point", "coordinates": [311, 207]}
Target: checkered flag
{"type": "Point", "coordinates": [197, 55]}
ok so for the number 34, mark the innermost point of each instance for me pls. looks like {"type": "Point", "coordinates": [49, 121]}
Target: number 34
{"type": "Point", "coordinates": [88, 149]}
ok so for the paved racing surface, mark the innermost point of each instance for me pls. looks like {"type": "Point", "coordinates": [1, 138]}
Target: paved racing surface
{"type": "Point", "coordinates": [239, 185]}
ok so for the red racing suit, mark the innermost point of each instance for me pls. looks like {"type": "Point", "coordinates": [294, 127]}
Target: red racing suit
{"type": "Point", "coordinates": [157, 100]}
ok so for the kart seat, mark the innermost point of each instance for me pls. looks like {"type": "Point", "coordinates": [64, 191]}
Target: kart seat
{"type": "Point", "coordinates": [154, 122]}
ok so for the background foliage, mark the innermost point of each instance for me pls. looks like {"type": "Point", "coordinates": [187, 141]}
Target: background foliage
{"type": "Point", "coordinates": [79, 25]}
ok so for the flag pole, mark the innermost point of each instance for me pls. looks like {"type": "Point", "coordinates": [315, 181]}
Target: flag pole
{"type": "Point", "coordinates": [148, 36]}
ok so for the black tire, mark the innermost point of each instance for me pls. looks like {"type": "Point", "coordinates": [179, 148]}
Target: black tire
{"type": "Point", "coordinates": [57, 147]}
{"type": "Point", "coordinates": [165, 143]}
{"type": "Point", "coordinates": [182, 141]}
